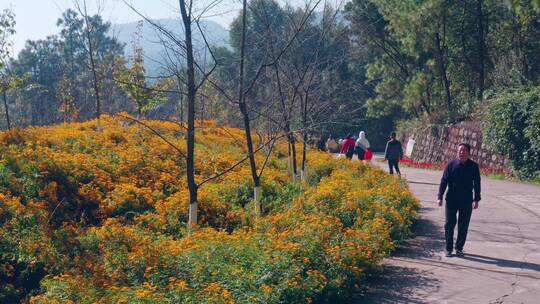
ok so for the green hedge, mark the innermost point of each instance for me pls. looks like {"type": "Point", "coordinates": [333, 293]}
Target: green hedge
{"type": "Point", "coordinates": [512, 127]}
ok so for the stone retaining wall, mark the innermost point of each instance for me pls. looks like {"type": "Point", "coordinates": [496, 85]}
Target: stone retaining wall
{"type": "Point", "coordinates": [438, 145]}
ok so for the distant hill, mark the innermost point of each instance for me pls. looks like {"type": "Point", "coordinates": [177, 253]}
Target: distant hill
{"type": "Point", "coordinates": [216, 35]}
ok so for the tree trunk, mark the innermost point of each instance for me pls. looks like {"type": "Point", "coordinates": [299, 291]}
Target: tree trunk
{"type": "Point", "coordinates": [289, 159]}
{"type": "Point", "coordinates": [481, 46]}
{"type": "Point", "coordinates": [257, 199]}
{"type": "Point", "coordinates": [303, 175]}
{"type": "Point", "coordinates": [180, 102]}
{"type": "Point", "coordinates": [202, 108]}
{"type": "Point", "coordinates": [190, 139]}
{"type": "Point", "coordinates": [244, 110]}
{"type": "Point", "coordinates": [294, 162]}
{"type": "Point", "coordinates": [442, 70]}
{"type": "Point", "coordinates": [286, 127]}
{"type": "Point", "coordinates": [521, 48]}
{"type": "Point", "coordinates": [93, 67]}
{"type": "Point", "coordinates": [4, 94]}
{"type": "Point", "coordinates": [71, 90]}
{"type": "Point", "coordinates": [252, 163]}
{"type": "Point", "coordinates": [88, 33]}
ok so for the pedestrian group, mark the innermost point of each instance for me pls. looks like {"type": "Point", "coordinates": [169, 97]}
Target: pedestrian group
{"type": "Point", "coordinates": [460, 182]}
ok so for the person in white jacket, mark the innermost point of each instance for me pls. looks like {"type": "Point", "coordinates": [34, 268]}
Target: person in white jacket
{"type": "Point", "coordinates": [362, 144]}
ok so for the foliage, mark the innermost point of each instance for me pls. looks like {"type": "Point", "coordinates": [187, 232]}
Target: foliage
{"type": "Point", "coordinates": [8, 80]}
{"type": "Point", "coordinates": [133, 80]}
{"type": "Point", "coordinates": [512, 128]}
{"type": "Point", "coordinates": [434, 59]}
{"type": "Point", "coordinates": [57, 73]}
{"type": "Point", "coordinates": [100, 217]}
{"type": "Point", "coordinates": [7, 29]}
{"type": "Point", "coordinates": [318, 66]}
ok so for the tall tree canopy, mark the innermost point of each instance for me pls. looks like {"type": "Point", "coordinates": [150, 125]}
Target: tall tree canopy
{"type": "Point", "coordinates": [435, 59]}
{"type": "Point", "coordinates": [59, 85]}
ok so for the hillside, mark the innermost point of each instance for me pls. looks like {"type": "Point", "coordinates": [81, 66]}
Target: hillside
{"type": "Point", "coordinates": [92, 216]}
{"type": "Point", "coordinates": [216, 35]}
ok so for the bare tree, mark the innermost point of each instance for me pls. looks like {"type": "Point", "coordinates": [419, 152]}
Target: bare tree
{"type": "Point", "coordinates": [297, 75]}
{"type": "Point", "coordinates": [177, 51]}
{"type": "Point", "coordinates": [81, 7]}
{"type": "Point", "coordinates": [311, 80]}
{"type": "Point", "coordinates": [268, 61]}
{"type": "Point", "coordinates": [194, 75]}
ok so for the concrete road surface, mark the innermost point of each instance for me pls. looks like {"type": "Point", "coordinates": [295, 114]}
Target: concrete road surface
{"type": "Point", "coordinates": [502, 261]}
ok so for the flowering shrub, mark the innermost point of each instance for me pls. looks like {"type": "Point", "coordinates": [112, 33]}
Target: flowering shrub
{"type": "Point", "coordinates": [99, 217]}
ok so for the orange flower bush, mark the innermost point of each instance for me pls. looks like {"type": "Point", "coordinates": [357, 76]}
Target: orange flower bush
{"type": "Point", "coordinates": [92, 216]}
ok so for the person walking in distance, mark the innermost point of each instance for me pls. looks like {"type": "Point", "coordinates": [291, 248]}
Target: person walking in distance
{"type": "Point", "coordinates": [348, 146]}
{"type": "Point", "coordinates": [332, 145]}
{"type": "Point", "coordinates": [393, 153]}
{"type": "Point", "coordinates": [361, 146]}
{"type": "Point", "coordinates": [462, 177]}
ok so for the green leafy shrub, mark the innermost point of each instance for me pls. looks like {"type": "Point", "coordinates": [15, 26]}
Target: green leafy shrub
{"type": "Point", "coordinates": [512, 128]}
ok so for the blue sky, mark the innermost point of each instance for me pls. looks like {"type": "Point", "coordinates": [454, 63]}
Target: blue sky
{"type": "Point", "coordinates": [36, 19]}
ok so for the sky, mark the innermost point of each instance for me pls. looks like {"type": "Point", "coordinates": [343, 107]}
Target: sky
{"type": "Point", "coordinates": [36, 19]}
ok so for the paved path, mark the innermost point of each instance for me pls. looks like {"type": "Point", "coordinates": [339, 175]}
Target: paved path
{"type": "Point", "coordinates": [502, 261]}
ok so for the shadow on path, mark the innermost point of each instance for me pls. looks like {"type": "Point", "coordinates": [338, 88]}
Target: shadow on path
{"type": "Point", "coordinates": [398, 284]}
{"type": "Point", "coordinates": [501, 262]}
{"type": "Point", "coordinates": [427, 240]}
{"type": "Point", "coordinates": [395, 284]}
{"type": "Point", "coordinates": [423, 183]}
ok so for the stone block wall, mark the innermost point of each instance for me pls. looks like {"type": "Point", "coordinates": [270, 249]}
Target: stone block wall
{"type": "Point", "coordinates": [438, 145]}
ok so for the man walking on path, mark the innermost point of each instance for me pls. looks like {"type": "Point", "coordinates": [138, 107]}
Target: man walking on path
{"type": "Point", "coordinates": [393, 153]}
{"type": "Point", "coordinates": [461, 176]}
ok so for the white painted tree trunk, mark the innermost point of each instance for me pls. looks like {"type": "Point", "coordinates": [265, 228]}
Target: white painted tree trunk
{"type": "Point", "coordinates": [192, 221]}
{"type": "Point", "coordinates": [257, 198]}
{"type": "Point", "coordinates": [291, 169]}
{"type": "Point", "coordinates": [303, 176]}
{"type": "Point", "coordinates": [290, 164]}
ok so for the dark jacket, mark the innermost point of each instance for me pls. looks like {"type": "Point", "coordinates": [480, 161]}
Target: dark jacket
{"type": "Point", "coordinates": [461, 180]}
{"type": "Point", "coordinates": [393, 150]}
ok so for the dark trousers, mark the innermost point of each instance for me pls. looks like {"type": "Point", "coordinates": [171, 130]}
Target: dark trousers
{"type": "Point", "coordinates": [465, 211]}
{"type": "Point", "coordinates": [360, 152]}
{"type": "Point", "coordinates": [393, 163]}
